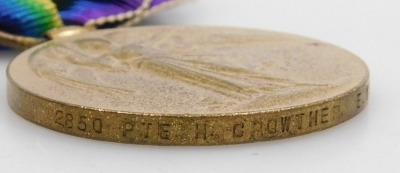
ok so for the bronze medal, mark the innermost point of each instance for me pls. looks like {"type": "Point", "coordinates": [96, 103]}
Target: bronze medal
{"type": "Point", "coordinates": [186, 85]}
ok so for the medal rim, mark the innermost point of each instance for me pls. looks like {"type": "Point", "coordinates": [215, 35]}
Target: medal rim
{"type": "Point", "coordinates": [17, 93]}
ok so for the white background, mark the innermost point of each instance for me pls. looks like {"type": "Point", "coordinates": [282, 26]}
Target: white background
{"type": "Point", "coordinates": [368, 143]}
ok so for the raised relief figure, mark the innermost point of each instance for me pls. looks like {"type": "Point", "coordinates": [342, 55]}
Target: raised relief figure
{"type": "Point", "coordinates": [162, 59]}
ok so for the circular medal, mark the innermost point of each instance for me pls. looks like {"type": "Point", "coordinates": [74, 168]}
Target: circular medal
{"type": "Point", "coordinates": [185, 85]}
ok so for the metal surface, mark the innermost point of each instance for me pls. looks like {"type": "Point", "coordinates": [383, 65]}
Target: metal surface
{"type": "Point", "coordinates": [18, 42]}
{"type": "Point", "coordinates": [67, 31]}
{"type": "Point", "coordinates": [182, 85]}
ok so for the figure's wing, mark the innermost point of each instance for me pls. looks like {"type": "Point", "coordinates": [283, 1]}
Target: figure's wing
{"type": "Point", "coordinates": [162, 67]}
{"type": "Point", "coordinates": [242, 77]}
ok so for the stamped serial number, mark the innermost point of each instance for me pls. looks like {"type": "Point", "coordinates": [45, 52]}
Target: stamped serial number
{"type": "Point", "coordinates": [79, 122]}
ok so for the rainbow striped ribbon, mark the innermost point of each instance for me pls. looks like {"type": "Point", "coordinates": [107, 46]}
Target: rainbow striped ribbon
{"type": "Point", "coordinates": [34, 17]}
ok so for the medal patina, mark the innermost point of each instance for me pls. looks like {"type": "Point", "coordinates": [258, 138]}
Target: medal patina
{"type": "Point", "coordinates": [182, 85]}
{"type": "Point", "coordinates": [171, 85]}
